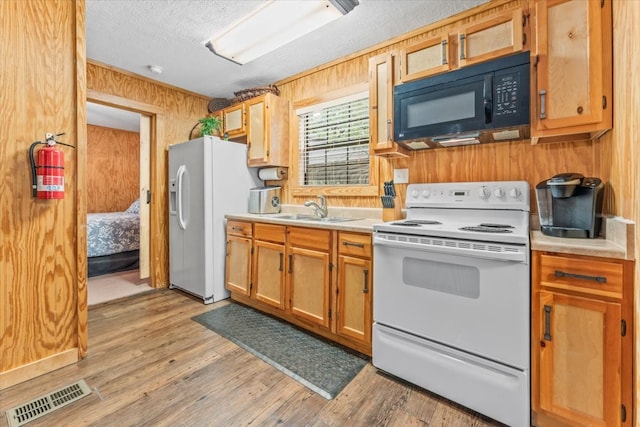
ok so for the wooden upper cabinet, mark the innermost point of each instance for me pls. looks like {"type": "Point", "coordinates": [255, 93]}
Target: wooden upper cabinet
{"type": "Point", "coordinates": [572, 57]}
{"type": "Point", "coordinates": [268, 131]}
{"type": "Point", "coordinates": [424, 59]}
{"type": "Point", "coordinates": [381, 81]}
{"type": "Point", "coordinates": [499, 35]}
{"type": "Point", "coordinates": [235, 121]}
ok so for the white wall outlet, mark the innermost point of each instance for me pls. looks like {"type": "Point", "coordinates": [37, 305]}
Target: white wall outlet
{"type": "Point", "coordinates": [401, 176]}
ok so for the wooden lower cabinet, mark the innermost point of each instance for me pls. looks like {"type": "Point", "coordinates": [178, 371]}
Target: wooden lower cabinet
{"type": "Point", "coordinates": [238, 257]}
{"type": "Point", "coordinates": [581, 341]}
{"type": "Point", "coordinates": [308, 274]}
{"type": "Point", "coordinates": [299, 275]}
{"type": "Point", "coordinates": [268, 284]}
{"type": "Point", "coordinates": [353, 291]}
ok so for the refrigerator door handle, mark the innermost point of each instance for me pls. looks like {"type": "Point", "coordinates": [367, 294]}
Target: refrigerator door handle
{"type": "Point", "coordinates": [180, 174]}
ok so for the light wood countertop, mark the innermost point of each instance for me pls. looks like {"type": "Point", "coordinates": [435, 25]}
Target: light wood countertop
{"type": "Point", "coordinates": [619, 242]}
{"type": "Point", "coordinates": [366, 218]}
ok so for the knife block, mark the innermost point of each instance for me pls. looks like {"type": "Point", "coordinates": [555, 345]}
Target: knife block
{"type": "Point", "coordinates": [392, 214]}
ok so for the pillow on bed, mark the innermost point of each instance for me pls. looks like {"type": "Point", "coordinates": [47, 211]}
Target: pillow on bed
{"type": "Point", "coordinates": [134, 208]}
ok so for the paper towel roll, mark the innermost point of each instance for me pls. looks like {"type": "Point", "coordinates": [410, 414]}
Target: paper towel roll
{"type": "Point", "coordinates": [272, 174]}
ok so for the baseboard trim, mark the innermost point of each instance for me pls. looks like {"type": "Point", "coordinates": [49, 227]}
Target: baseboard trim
{"type": "Point", "coordinates": [39, 367]}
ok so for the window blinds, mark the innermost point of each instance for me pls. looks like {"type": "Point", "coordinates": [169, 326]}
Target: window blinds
{"type": "Point", "coordinates": [334, 142]}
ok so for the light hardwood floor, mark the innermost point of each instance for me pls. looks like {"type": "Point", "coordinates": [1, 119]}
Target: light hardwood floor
{"type": "Point", "coordinates": [150, 364]}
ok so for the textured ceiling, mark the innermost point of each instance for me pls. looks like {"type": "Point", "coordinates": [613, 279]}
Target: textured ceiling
{"type": "Point", "coordinates": [133, 34]}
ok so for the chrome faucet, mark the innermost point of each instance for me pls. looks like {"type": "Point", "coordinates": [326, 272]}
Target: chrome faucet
{"type": "Point", "coordinates": [320, 210]}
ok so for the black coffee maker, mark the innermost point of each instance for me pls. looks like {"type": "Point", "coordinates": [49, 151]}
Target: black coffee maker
{"type": "Point", "coordinates": [570, 205]}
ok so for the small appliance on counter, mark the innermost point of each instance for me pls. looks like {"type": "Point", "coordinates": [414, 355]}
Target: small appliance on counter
{"type": "Point", "coordinates": [264, 200]}
{"type": "Point", "coordinates": [570, 205]}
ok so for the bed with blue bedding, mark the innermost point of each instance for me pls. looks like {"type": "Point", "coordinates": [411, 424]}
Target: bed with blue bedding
{"type": "Point", "coordinates": [113, 240]}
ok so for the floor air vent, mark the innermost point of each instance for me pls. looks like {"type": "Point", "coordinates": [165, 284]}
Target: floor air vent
{"type": "Point", "coordinates": [36, 408]}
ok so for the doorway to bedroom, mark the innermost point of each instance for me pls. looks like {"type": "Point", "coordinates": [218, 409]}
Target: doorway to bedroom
{"type": "Point", "coordinates": [118, 174]}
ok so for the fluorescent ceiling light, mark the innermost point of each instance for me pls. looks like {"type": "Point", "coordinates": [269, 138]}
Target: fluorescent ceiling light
{"type": "Point", "coordinates": [273, 25]}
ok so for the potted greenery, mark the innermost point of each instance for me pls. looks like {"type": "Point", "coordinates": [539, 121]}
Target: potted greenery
{"type": "Point", "coordinates": [210, 125]}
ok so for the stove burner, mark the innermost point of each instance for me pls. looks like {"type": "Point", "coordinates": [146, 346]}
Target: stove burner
{"type": "Point", "coordinates": [488, 224]}
{"type": "Point", "coordinates": [487, 229]}
{"type": "Point", "coordinates": [423, 221]}
{"type": "Point", "coordinates": [417, 222]}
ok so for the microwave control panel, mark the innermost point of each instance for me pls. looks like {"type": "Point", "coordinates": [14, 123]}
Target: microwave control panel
{"type": "Point", "coordinates": [507, 89]}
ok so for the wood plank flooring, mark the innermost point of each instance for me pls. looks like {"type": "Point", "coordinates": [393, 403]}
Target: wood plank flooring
{"type": "Point", "coordinates": [150, 364]}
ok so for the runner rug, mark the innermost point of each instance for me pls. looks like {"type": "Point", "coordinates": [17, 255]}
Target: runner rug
{"type": "Point", "coordinates": [322, 366]}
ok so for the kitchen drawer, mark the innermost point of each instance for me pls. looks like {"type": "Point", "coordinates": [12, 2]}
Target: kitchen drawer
{"type": "Point", "coordinates": [582, 274]}
{"type": "Point", "coordinates": [313, 238]}
{"type": "Point", "coordinates": [239, 228]}
{"type": "Point", "coordinates": [269, 232]}
{"type": "Point", "coordinates": [354, 244]}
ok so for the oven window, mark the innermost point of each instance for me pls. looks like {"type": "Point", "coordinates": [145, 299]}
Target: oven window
{"type": "Point", "coordinates": [454, 279]}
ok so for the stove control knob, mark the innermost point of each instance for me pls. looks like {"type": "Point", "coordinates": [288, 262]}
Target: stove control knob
{"type": "Point", "coordinates": [514, 193]}
{"type": "Point", "coordinates": [426, 193]}
{"type": "Point", "coordinates": [499, 193]}
{"type": "Point", "coordinates": [484, 193]}
{"type": "Point", "coordinates": [414, 194]}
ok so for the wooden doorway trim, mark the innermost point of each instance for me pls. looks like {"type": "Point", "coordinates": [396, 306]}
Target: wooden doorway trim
{"type": "Point", "coordinates": [156, 119]}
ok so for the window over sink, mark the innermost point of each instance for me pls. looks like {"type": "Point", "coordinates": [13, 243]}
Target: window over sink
{"type": "Point", "coordinates": [333, 145]}
{"type": "Point", "coordinates": [334, 141]}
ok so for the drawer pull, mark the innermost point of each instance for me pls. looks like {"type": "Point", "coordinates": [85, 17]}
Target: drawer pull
{"type": "Point", "coordinates": [357, 245]}
{"type": "Point", "coordinates": [547, 322]}
{"type": "Point", "coordinates": [236, 228]}
{"type": "Point", "coordinates": [599, 279]}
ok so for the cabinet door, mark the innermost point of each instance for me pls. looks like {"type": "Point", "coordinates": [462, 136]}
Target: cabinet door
{"type": "Point", "coordinates": [573, 68]}
{"type": "Point", "coordinates": [235, 121]}
{"type": "Point", "coordinates": [258, 149]}
{"type": "Point", "coordinates": [354, 298]}
{"type": "Point", "coordinates": [238, 264]}
{"type": "Point", "coordinates": [309, 285]}
{"type": "Point", "coordinates": [497, 36]}
{"type": "Point", "coordinates": [268, 275]}
{"type": "Point", "coordinates": [268, 131]}
{"type": "Point", "coordinates": [424, 59]}
{"type": "Point", "coordinates": [579, 356]}
{"type": "Point", "coordinates": [381, 107]}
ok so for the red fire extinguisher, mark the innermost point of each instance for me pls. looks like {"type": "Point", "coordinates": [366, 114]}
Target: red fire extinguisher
{"type": "Point", "coordinates": [47, 172]}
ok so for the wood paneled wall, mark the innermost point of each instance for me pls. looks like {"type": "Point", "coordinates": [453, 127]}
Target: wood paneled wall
{"type": "Point", "coordinates": [42, 89]}
{"type": "Point", "coordinates": [624, 141]}
{"type": "Point", "coordinates": [176, 112]}
{"type": "Point", "coordinates": [113, 169]}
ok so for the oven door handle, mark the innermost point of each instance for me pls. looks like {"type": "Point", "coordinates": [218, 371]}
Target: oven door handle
{"type": "Point", "coordinates": [515, 256]}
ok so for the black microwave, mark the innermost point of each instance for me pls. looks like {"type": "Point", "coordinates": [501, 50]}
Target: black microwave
{"type": "Point", "coordinates": [487, 102]}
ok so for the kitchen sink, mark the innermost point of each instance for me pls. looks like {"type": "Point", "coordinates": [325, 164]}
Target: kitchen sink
{"type": "Point", "coordinates": [301, 217]}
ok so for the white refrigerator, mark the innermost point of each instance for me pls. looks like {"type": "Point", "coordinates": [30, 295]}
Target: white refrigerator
{"type": "Point", "coordinates": [208, 178]}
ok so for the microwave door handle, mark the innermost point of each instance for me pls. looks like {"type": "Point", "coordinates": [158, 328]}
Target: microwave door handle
{"type": "Point", "coordinates": [487, 95]}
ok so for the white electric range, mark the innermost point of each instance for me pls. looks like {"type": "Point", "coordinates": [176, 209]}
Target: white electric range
{"type": "Point", "coordinates": [452, 295]}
